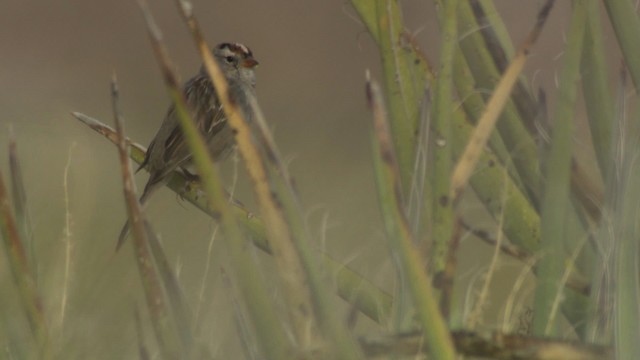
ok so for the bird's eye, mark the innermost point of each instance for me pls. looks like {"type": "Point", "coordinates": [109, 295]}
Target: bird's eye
{"type": "Point", "coordinates": [230, 59]}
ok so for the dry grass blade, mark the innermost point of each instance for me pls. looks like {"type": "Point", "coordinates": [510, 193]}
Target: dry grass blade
{"type": "Point", "coordinates": [154, 294]}
{"type": "Point", "coordinates": [105, 130]}
{"type": "Point", "coordinates": [497, 40]}
{"type": "Point", "coordinates": [67, 243]}
{"type": "Point", "coordinates": [170, 282]}
{"type": "Point", "coordinates": [22, 275]}
{"type": "Point", "coordinates": [136, 151]}
{"type": "Point", "coordinates": [486, 124]}
{"type": "Point", "coordinates": [23, 217]}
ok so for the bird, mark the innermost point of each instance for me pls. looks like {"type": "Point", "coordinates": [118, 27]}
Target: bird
{"type": "Point", "coordinates": [168, 150]}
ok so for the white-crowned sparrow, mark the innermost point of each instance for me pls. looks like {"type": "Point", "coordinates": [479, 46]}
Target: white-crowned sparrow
{"type": "Point", "coordinates": [168, 150]}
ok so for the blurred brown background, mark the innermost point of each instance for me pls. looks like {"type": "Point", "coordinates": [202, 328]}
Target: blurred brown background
{"type": "Point", "coordinates": [58, 56]}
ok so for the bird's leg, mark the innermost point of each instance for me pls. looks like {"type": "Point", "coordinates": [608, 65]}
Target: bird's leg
{"type": "Point", "coordinates": [192, 181]}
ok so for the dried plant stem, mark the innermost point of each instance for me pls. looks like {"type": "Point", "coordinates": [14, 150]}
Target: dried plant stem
{"type": "Point", "coordinates": [154, 292]}
{"type": "Point", "coordinates": [66, 239]}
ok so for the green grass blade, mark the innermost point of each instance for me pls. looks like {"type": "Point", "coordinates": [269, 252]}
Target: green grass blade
{"type": "Point", "coordinates": [626, 254]}
{"type": "Point", "coordinates": [626, 24]}
{"type": "Point", "coordinates": [596, 89]}
{"type": "Point", "coordinates": [556, 201]}
{"type": "Point", "coordinates": [441, 229]}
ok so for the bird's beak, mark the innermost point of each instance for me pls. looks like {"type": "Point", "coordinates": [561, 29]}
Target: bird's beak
{"type": "Point", "coordinates": [249, 63]}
